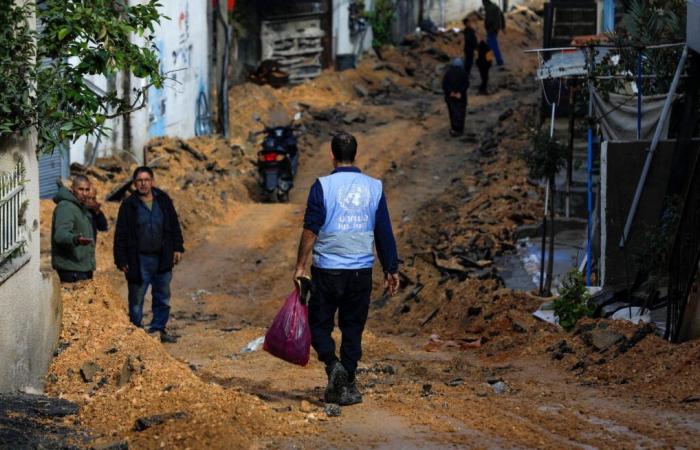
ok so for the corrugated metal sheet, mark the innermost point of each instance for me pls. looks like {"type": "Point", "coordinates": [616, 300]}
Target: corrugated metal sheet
{"type": "Point", "coordinates": [51, 169]}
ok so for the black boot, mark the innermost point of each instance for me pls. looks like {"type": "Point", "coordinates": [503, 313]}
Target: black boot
{"type": "Point", "coordinates": [350, 395]}
{"type": "Point", "coordinates": [337, 379]}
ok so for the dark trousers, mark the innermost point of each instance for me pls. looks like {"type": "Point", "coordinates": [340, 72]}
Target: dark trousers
{"type": "Point", "coordinates": [458, 112]}
{"type": "Point", "coordinates": [160, 291]}
{"type": "Point", "coordinates": [345, 291]}
{"type": "Point", "coordinates": [468, 62]}
{"type": "Point", "coordinates": [484, 72]}
{"type": "Point", "coordinates": [69, 276]}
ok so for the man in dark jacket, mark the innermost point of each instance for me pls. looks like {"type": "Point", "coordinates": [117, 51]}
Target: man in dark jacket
{"type": "Point", "coordinates": [470, 44]}
{"type": "Point", "coordinates": [147, 245]}
{"type": "Point", "coordinates": [72, 238]}
{"type": "Point", "coordinates": [484, 61]}
{"type": "Point", "coordinates": [454, 85]}
{"type": "Point", "coordinates": [494, 21]}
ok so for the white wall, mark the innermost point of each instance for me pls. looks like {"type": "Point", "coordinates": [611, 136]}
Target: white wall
{"type": "Point", "coordinates": [30, 302]}
{"type": "Point", "coordinates": [442, 11]}
{"type": "Point", "coordinates": [183, 50]}
{"type": "Point", "coordinates": [343, 42]}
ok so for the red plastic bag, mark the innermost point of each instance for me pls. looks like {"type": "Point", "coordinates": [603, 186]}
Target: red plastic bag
{"type": "Point", "coordinates": [289, 336]}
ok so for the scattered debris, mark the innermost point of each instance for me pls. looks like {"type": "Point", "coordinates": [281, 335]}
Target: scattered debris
{"type": "Point", "coordinates": [88, 371]}
{"type": "Point", "coordinates": [306, 407]}
{"type": "Point", "coordinates": [254, 345]}
{"type": "Point", "coordinates": [332, 410]}
{"type": "Point", "coordinates": [145, 423]}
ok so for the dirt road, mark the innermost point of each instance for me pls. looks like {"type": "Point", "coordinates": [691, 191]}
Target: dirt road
{"type": "Point", "coordinates": [233, 283]}
{"type": "Point", "coordinates": [455, 361]}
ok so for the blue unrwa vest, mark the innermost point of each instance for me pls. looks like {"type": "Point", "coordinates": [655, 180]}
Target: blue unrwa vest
{"type": "Point", "coordinates": [346, 239]}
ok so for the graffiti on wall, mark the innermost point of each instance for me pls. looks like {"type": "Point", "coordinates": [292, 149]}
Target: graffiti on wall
{"type": "Point", "coordinates": [182, 43]}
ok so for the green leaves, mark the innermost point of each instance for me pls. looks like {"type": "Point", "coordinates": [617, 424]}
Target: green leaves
{"type": "Point", "coordinates": [17, 51]}
{"type": "Point", "coordinates": [381, 19]}
{"type": "Point", "coordinates": [78, 40]}
{"type": "Point", "coordinates": [574, 301]}
{"type": "Point", "coordinates": [545, 156]}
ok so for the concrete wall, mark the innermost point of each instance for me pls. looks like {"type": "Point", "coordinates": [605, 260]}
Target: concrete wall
{"type": "Point", "coordinates": [343, 42]}
{"type": "Point", "coordinates": [30, 303]}
{"type": "Point", "coordinates": [183, 47]}
{"type": "Point", "coordinates": [446, 12]}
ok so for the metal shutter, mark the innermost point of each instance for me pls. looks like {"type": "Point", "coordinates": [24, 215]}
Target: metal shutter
{"type": "Point", "coordinates": [51, 168]}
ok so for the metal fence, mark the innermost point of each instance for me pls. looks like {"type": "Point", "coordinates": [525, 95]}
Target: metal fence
{"type": "Point", "coordinates": [684, 257]}
{"type": "Point", "coordinates": [12, 203]}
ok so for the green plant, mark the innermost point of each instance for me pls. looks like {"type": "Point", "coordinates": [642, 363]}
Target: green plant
{"type": "Point", "coordinates": [91, 38]}
{"type": "Point", "coordinates": [381, 18]}
{"type": "Point", "coordinates": [574, 301]}
{"type": "Point", "coordinates": [17, 53]}
{"type": "Point", "coordinates": [44, 86]}
{"type": "Point", "coordinates": [545, 156]}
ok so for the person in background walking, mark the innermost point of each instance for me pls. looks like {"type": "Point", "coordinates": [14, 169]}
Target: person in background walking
{"type": "Point", "coordinates": [454, 85]}
{"type": "Point", "coordinates": [346, 217]}
{"type": "Point", "coordinates": [484, 61]}
{"type": "Point", "coordinates": [99, 221]}
{"type": "Point", "coordinates": [494, 21]}
{"type": "Point", "coordinates": [72, 238]}
{"type": "Point", "coordinates": [470, 44]}
{"type": "Point", "coordinates": [147, 245]}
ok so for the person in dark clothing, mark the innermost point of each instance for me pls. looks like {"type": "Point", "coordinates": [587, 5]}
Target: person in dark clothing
{"type": "Point", "coordinates": [484, 61]}
{"type": "Point", "coordinates": [454, 85]}
{"type": "Point", "coordinates": [494, 21]}
{"type": "Point", "coordinates": [99, 221]}
{"type": "Point", "coordinates": [72, 238]}
{"type": "Point", "coordinates": [346, 218]}
{"type": "Point", "coordinates": [470, 44]}
{"type": "Point", "coordinates": [147, 245]}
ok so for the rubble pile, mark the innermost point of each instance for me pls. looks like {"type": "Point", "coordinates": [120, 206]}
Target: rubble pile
{"type": "Point", "coordinates": [617, 352]}
{"type": "Point", "coordinates": [130, 388]}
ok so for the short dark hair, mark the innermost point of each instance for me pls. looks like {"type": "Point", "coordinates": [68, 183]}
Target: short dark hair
{"type": "Point", "coordinates": [142, 169]}
{"type": "Point", "coordinates": [344, 147]}
{"type": "Point", "coordinates": [78, 179]}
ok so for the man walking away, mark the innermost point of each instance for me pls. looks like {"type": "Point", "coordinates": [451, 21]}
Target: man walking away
{"type": "Point", "coordinates": [99, 221]}
{"type": "Point", "coordinates": [484, 61]}
{"type": "Point", "coordinates": [470, 44]}
{"type": "Point", "coordinates": [147, 244]}
{"type": "Point", "coordinates": [454, 85]}
{"type": "Point", "coordinates": [494, 21]}
{"type": "Point", "coordinates": [346, 217]}
{"type": "Point", "coordinates": [72, 238]}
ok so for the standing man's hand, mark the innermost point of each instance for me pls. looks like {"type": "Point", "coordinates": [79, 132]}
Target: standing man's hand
{"type": "Point", "coordinates": [177, 257]}
{"type": "Point", "coordinates": [391, 283]}
{"type": "Point", "coordinates": [124, 269]}
{"type": "Point", "coordinates": [81, 240]}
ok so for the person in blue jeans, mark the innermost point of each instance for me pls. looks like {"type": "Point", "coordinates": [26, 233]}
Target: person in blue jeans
{"type": "Point", "coordinates": [494, 22]}
{"type": "Point", "coordinates": [147, 245]}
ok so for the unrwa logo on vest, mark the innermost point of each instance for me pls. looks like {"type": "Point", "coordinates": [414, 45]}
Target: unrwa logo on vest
{"type": "Point", "coordinates": [353, 197]}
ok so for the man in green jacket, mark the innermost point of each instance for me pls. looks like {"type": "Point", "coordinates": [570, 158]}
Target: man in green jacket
{"type": "Point", "coordinates": [72, 237]}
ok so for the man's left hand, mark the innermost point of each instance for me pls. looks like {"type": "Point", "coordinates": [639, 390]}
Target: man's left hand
{"type": "Point", "coordinates": [177, 257]}
{"type": "Point", "coordinates": [392, 282]}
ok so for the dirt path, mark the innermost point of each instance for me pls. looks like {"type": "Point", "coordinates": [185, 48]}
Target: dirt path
{"type": "Point", "coordinates": [231, 284]}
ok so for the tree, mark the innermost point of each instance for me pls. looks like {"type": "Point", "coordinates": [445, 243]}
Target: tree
{"type": "Point", "coordinates": [544, 158]}
{"type": "Point", "coordinates": [76, 39]}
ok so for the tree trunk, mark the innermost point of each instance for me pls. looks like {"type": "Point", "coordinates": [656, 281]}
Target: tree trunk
{"type": "Point", "coordinates": [550, 256]}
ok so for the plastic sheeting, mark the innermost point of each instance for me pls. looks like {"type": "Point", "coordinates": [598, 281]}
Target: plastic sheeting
{"type": "Point", "coordinates": [618, 116]}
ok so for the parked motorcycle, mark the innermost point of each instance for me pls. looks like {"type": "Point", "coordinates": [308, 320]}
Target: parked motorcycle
{"type": "Point", "coordinates": [279, 158]}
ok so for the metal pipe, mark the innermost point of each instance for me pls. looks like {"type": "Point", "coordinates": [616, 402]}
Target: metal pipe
{"type": "Point", "coordinates": [648, 47]}
{"type": "Point", "coordinates": [639, 95]}
{"type": "Point", "coordinates": [589, 162]}
{"type": "Point", "coordinates": [652, 148]}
